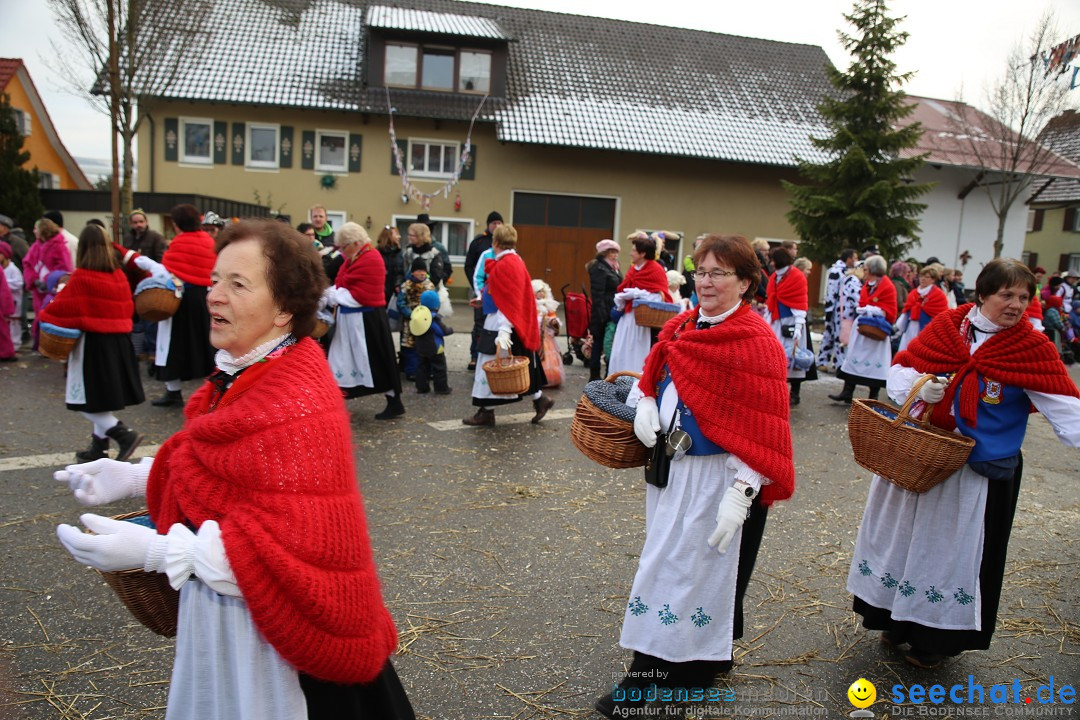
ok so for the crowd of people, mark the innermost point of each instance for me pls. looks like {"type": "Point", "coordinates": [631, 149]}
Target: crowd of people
{"type": "Point", "coordinates": [282, 326]}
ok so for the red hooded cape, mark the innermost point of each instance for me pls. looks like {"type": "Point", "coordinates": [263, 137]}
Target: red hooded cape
{"type": "Point", "coordinates": [933, 304]}
{"type": "Point", "coordinates": [1020, 356]}
{"type": "Point", "coordinates": [733, 378]}
{"type": "Point", "coordinates": [191, 257]}
{"type": "Point", "coordinates": [365, 278]}
{"type": "Point", "coordinates": [791, 291]}
{"type": "Point", "coordinates": [510, 286]}
{"type": "Point", "coordinates": [884, 297]}
{"type": "Point", "coordinates": [272, 463]}
{"type": "Point", "coordinates": [651, 277]}
{"type": "Point", "coordinates": [92, 301]}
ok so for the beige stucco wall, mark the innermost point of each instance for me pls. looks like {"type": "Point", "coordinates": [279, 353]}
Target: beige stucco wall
{"type": "Point", "coordinates": [691, 196]}
{"type": "Point", "coordinates": [1052, 241]}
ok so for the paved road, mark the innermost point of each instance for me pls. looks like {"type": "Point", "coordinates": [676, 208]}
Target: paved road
{"type": "Point", "coordinates": [506, 558]}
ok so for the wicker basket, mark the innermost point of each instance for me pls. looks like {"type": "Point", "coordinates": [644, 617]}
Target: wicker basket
{"type": "Point", "coordinates": [321, 328]}
{"type": "Point", "coordinates": [646, 316]}
{"type": "Point", "coordinates": [911, 454]}
{"type": "Point", "coordinates": [147, 596]}
{"type": "Point", "coordinates": [606, 439]}
{"type": "Point", "coordinates": [156, 304]}
{"type": "Point", "coordinates": [871, 331]}
{"type": "Point", "coordinates": [507, 375]}
{"type": "Point", "coordinates": [53, 346]}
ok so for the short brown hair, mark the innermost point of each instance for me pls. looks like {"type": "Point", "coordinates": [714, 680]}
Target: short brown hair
{"type": "Point", "coordinates": [421, 231]}
{"type": "Point", "coordinates": [644, 244]}
{"type": "Point", "coordinates": [186, 217]}
{"type": "Point", "coordinates": [780, 257]}
{"type": "Point", "coordinates": [294, 269]}
{"type": "Point", "coordinates": [506, 236]}
{"type": "Point", "coordinates": [733, 250]}
{"type": "Point", "coordinates": [46, 228]}
{"type": "Point", "coordinates": [387, 239]}
{"type": "Point", "coordinates": [1003, 273]}
{"type": "Point", "coordinates": [94, 251]}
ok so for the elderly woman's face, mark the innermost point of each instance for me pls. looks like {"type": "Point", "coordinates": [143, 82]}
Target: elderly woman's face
{"type": "Point", "coordinates": [243, 312]}
{"type": "Point", "coordinates": [721, 293]}
{"type": "Point", "coordinates": [926, 280]}
{"type": "Point", "coordinates": [1006, 306]}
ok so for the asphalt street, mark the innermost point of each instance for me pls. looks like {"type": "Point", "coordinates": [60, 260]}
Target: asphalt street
{"type": "Point", "coordinates": [506, 557]}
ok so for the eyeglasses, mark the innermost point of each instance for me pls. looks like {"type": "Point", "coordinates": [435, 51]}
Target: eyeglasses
{"type": "Point", "coordinates": [714, 275]}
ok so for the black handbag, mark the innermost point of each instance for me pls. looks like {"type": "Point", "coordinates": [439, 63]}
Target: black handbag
{"type": "Point", "coordinates": [659, 465]}
{"type": "Point", "coordinates": [485, 342]}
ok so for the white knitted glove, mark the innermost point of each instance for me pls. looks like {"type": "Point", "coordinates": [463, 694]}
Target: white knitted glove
{"type": "Point", "coordinates": [730, 516]}
{"type": "Point", "coordinates": [118, 545]}
{"type": "Point", "coordinates": [647, 421]}
{"type": "Point", "coordinates": [327, 298]}
{"type": "Point", "coordinates": [933, 392]}
{"type": "Point", "coordinates": [503, 341]}
{"type": "Point", "coordinates": [156, 269]}
{"type": "Point", "coordinates": [105, 481]}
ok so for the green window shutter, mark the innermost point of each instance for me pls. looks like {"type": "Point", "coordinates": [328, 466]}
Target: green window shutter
{"type": "Point", "coordinates": [355, 151]}
{"type": "Point", "coordinates": [286, 149]}
{"type": "Point", "coordinates": [403, 149]}
{"type": "Point", "coordinates": [221, 142]}
{"type": "Point", "coordinates": [469, 171]}
{"type": "Point", "coordinates": [172, 139]}
{"type": "Point", "coordinates": [307, 150]}
{"type": "Point", "coordinates": [236, 142]}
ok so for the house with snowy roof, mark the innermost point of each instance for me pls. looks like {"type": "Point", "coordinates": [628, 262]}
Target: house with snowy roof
{"type": "Point", "coordinates": [1053, 215]}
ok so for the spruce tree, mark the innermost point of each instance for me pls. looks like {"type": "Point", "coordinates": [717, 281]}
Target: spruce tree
{"type": "Point", "coordinates": [862, 193]}
{"type": "Point", "coordinates": [19, 195]}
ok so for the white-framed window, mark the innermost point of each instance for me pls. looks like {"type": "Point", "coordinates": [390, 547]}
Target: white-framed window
{"type": "Point", "coordinates": [453, 232]}
{"type": "Point", "coordinates": [23, 122]}
{"type": "Point", "coordinates": [262, 146]}
{"type": "Point", "coordinates": [196, 141]}
{"type": "Point", "coordinates": [474, 71]}
{"type": "Point", "coordinates": [400, 67]}
{"type": "Point", "coordinates": [1074, 263]}
{"type": "Point", "coordinates": [331, 150]}
{"type": "Point", "coordinates": [437, 68]}
{"type": "Point", "coordinates": [1031, 220]}
{"type": "Point", "coordinates": [433, 158]}
{"type": "Point", "coordinates": [336, 218]}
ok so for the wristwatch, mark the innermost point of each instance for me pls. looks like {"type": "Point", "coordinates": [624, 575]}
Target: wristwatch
{"type": "Point", "coordinates": [745, 489]}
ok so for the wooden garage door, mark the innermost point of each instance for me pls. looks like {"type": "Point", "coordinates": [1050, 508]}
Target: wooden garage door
{"type": "Point", "coordinates": [557, 236]}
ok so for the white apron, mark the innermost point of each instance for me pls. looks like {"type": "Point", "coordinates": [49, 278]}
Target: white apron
{"type": "Point", "coordinates": [866, 357]}
{"type": "Point", "coordinates": [348, 356]}
{"type": "Point", "coordinates": [480, 388]}
{"type": "Point", "coordinates": [164, 340]}
{"type": "Point", "coordinates": [75, 390]}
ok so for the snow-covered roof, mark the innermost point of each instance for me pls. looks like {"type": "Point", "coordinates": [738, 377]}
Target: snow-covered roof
{"type": "Point", "coordinates": [1063, 135]}
{"type": "Point", "coordinates": [397, 18]}
{"type": "Point", "coordinates": [570, 80]}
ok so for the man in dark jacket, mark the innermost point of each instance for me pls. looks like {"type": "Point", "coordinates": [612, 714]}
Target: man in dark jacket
{"type": "Point", "coordinates": [479, 244]}
{"type": "Point", "coordinates": [142, 239]}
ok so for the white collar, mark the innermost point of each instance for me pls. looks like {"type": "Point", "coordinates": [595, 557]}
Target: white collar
{"type": "Point", "coordinates": [715, 319]}
{"type": "Point", "coordinates": [226, 363]}
{"type": "Point", "coordinates": [924, 291]}
{"type": "Point", "coordinates": [980, 321]}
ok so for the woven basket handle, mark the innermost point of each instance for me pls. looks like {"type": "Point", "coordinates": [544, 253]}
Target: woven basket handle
{"type": "Point", "coordinates": [903, 415]}
{"type": "Point", "coordinates": [503, 360]}
{"type": "Point", "coordinates": [631, 373]}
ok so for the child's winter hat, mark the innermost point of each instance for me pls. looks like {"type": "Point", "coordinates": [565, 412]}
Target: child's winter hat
{"type": "Point", "coordinates": [430, 300]}
{"type": "Point", "coordinates": [418, 264]}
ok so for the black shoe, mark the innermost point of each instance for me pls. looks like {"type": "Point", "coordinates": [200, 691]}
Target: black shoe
{"type": "Point", "coordinates": [609, 707]}
{"type": "Point", "coordinates": [471, 367]}
{"type": "Point", "coordinates": [542, 404]}
{"type": "Point", "coordinates": [393, 409]}
{"type": "Point", "coordinates": [922, 659]}
{"type": "Point", "coordinates": [171, 398]}
{"type": "Point", "coordinates": [151, 370]}
{"type": "Point", "coordinates": [444, 391]}
{"type": "Point", "coordinates": [793, 400]}
{"type": "Point", "coordinates": [96, 450]}
{"type": "Point", "coordinates": [482, 418]}
{"type": "Point", "coordinates": [423, 391]}
{"type": "Point", "coordinates": [841, 397]}
{"type": "Point", "coordinates": [126, 439]}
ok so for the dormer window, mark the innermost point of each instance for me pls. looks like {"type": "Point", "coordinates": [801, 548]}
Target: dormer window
{"type": "Point", "coordinates": [436, 67]}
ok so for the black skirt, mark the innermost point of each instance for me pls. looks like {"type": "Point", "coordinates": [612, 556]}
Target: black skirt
{"type": "Point", "coordinates": [1001, 496]}
{"type": "Point", "coordinates": [872, 383]}
{"type": "Point", "coordinates": [110, 373]}
{"type": "Point", "coordinates": [191, 356]}
{"type": "Point", "coordinates": [382, 355]}
{"type": "Point", "coordinates": [537, 378]}
{"type": "Point", "coordinates": [383, 698]}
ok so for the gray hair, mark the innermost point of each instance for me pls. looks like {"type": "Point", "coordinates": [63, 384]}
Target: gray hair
{"type": "Point", "coordinates": [350, 233]}
{"type": "Point", "coordinates": [876, 265]}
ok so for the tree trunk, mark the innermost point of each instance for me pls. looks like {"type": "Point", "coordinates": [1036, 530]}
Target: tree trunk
{"type": "Point", "coordinates": [114, 110]}
{"type": "Point", "coordinates": [127, 191]}
{"type": "Point", "coordinates": [999, 241]}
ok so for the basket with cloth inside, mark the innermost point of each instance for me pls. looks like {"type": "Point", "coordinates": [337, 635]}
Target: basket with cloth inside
{"type": "Point", "coordinates": [57, 342]}
{"type": "Point", "coordinates": [158, 298]}
{"type": "Point", "coordinates": [603, 424]}
{"type": "Point", "coordinates": [654, 313]}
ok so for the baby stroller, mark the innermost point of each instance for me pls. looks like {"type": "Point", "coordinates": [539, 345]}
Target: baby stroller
{"type": "Point", "coordinates": [578, 309]}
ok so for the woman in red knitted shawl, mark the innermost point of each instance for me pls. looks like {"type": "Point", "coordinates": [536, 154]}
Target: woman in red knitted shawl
{"type": "Point", "coordinates": [927, 568]}
{"type": "Point", "coordinates": [183, 346]}
{"type": "Point", "coordinates": [362, 355]}
{"type": "Point", "coordinates": [102, 373]}
{"type": "Point", "coordinates": [645, 280]}
{"type": "Point", "coordinates": [788, 300]}
{"type": "Point", "coordinates": [281, 616]}
{"type": "Point", "coordinates": [923, 304]}
{"type": "Point", "coordinates": [509, 307]}
{"type": "Point", "coordinates": [716, 376]}
{"type": "Point", "coordinates": [868, 358]}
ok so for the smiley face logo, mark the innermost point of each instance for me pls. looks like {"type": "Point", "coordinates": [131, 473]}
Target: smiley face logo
{"type": "Point", "coordinates": [862, 693]}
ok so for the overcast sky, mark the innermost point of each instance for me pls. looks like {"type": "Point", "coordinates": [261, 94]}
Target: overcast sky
{"type": "Point", "coordinates": [954, 44]}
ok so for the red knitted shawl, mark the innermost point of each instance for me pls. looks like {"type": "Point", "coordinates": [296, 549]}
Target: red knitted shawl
{"type": "Point", "coordinates": [884, 297]}
{"type": "Point", "coordinates": [651, 277]}
{"type": "Point", "coordinates": [733, 377]}
{"type": "Point", "coordinates": [273, 465]}
{"type": "Point", "coordinates": [93, 301]}
{"type": "Point", "coordinates": [792, 291]}
{"type": "Point", "coordinates": [126, 258]}
{"type": "Point", "coordinates": [933, 304]}
{"type": "Point", "coordinates": [365, 278]}
{"type": "Point", "coordinates": [1020, 356]}
{"type": "Point", "coordinates": [510, 286]}
{"type": "Point", "coordinates": [190, 256]}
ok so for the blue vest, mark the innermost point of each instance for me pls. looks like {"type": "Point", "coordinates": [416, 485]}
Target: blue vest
{"type": "Point", "coordinates": [700, 445]}
{"type": "Point", "coordinates": [1001, 420]}
{"type": "Point", "coordinates": [784, 310]}
{"type": "Point", "coordinates": [487, 303]}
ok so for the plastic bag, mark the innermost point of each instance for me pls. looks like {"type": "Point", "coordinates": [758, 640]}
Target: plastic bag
{"type": "Point", "coordinates": [552, 362]}
{"type": "Point", "coordinates": [446, 310]}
